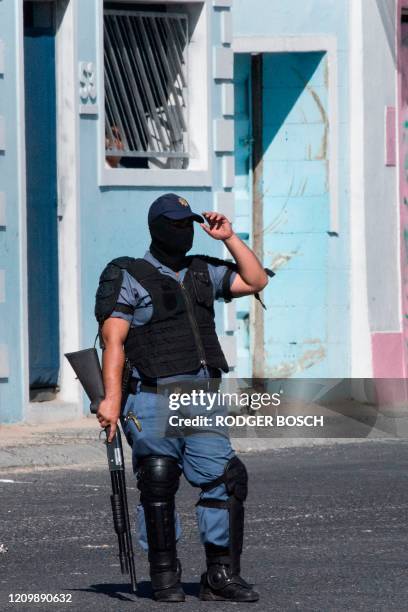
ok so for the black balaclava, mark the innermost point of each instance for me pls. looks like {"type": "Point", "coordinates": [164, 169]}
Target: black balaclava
{"type": "Point", "coordinates": [170, 244]}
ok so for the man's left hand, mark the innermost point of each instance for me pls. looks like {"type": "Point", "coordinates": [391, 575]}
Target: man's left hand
{"type": "Point", "coordinates": [219, 227]}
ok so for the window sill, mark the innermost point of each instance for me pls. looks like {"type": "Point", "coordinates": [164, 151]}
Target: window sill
{"type": "Point", "coordinates": [126, 177]}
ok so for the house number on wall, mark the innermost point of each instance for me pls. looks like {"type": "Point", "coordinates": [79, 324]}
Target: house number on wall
{"type": "Point", "coordinates": [87, 87]}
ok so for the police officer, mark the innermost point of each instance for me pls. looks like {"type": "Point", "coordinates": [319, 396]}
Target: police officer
{"type": "Point", "coordinates": [157, 314]}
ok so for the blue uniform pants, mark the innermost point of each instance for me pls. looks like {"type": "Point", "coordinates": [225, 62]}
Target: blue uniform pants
{"type": "Point", "coordinates": [201, 456]}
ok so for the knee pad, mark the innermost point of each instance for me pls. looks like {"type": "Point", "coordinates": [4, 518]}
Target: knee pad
{"type": "Point", "coordinates": [236, 479]}
{"type": "Point", "coordinates": [159, 478]}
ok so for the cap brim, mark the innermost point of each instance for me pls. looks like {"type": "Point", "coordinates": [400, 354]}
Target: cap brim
{"type": "Point", "coordinates": [184, 214]}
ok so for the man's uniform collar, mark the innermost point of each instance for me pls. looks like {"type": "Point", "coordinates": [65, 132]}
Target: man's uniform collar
{"type": "Point", "coordinates": [163, 268]}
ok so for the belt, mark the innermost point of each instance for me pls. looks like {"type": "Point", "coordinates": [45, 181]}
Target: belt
{"type": "Point", "coordinates": [134, 387]}
{"type": "Point", "coordinates": [178, 386]}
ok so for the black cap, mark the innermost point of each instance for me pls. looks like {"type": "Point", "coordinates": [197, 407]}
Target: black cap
{"type": "Point", "coordinates": [172, 206]}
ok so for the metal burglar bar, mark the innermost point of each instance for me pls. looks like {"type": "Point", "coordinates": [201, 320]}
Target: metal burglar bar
{"type": "Point", "coordinates": [145, 84]}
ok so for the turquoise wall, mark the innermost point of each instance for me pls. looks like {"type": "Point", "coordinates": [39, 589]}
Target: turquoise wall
{"type": "Point", "coordinates": [296, 213]}
{"type": "Point", "coordinates": [307, 327]}
{"type": "Point", "coordinates": [278, 18]}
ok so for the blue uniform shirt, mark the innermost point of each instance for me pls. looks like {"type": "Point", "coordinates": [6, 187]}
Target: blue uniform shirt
{"type": "Point", "coordinates": [134, 295]}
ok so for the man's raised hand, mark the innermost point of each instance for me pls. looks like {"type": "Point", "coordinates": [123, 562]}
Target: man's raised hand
{"type": "Point", "coordinates": [219, 227]}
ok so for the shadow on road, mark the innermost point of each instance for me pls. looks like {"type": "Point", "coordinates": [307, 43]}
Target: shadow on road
{"type": "Point", "coordinates": [144, 590]}
{"type": "Point", "coordinates": [114, 591]}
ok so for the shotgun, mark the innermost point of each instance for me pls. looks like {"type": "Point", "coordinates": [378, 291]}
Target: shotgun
{"type": "Point", "coordinates": [86, 366]}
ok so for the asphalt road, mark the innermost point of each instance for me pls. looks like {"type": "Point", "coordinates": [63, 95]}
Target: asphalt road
{"type": "Point", "coordinates": [326, 530]}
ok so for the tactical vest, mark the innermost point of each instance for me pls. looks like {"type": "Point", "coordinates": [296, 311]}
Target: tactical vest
{"type": "Point", "coordinates": [181, 335]}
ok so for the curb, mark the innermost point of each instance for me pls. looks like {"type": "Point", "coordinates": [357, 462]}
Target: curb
{"type": "Point", "coordinates": [76, 444]}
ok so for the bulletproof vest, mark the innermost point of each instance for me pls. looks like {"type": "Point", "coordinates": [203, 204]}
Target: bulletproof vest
{"type": "Point", "coordinates": [181, 335]}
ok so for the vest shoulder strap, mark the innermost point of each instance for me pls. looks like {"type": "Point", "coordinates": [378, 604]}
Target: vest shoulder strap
{"type": "Point", "coordinates": [110, 283]}
{"type": "Point", "coordinates": [200, 262]}
{"type": "Point", "coordinates": [140, 268]}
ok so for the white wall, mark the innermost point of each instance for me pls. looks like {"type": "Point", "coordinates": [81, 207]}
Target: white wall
{"type": "Point", "coordinates": [381, 192]}
{"type": "Point", "coordinates": [360, 343]}
{"type": "Point", "coordinates": [68, 168]}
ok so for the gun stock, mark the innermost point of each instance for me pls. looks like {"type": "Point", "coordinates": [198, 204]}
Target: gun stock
{"type": "Point", "coordinates": [86, 366]}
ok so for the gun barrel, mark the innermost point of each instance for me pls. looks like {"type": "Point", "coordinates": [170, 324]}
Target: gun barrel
{"type": "Point", "coordinates": [128, 537]}
{"type": "Point", "coordinates": [122, 525]}
{"type": "Point", "coordinates": [120, 507]}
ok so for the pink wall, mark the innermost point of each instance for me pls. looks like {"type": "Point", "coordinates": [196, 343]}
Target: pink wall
{"type": "Point", "coordinates": [389, 350]}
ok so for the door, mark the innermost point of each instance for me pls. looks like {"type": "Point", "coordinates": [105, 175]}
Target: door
{"type": "Point", "coordinates": [42, 241]}
{"type": "Point", "coordinates": [283, 167]}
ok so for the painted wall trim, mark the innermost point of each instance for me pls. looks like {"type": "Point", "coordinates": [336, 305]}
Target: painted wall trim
{"type": "Point", "coordinates": [110, 177]}
{"type": "Point", "coordinates": [68, 168]}
{"type": "Point", "coordinates": [222, 3]}
{"type": "Point", "coordinates": [282, 44]}
{"type": "Point", "coordinates": [390, 127]}
{"type": "Point", "coordinates": [360, 341]}
{"type": "Point", "coordinates": [4, 362]}
{"type": "Point", "coordinates": [22, 204]}
{"type": "Point", "coordinates": [227, 99]}
{"type": "Point", "coordinates": [402, 5]}
{"type": "Point", "coordinates": [3, 215]}
{"type": "Point", "coordinates": [2, 133]}
{"type": "Point", "coordinates": [226, 27]}
{"type": "Point", "coordinates": [89, 109]}
{"type": "Point", "coordinates": [223, 63]}
{"type": "Point", "coordinates": [223, 135]}
{"type": "Point", "coordinates": [2, 286]}
{"type": "Point", "coordinates": [299, 44]}
{"type": "Point", "coordinates": [2, 66]}
{"type": "Point", "coordinates": [228, 169]}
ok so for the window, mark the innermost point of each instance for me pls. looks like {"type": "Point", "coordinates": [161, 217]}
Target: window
{"type": "Point", "coordinates": [146, 86]}
{"type": "Point", "coordinates": [156, 85]}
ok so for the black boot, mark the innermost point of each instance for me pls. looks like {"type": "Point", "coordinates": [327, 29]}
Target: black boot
{"type": "Point", "coordinates": [166, 584]}
{"type": "Point", "coordinates": [219, 583]}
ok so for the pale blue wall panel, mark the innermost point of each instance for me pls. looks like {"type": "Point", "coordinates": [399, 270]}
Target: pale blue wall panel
{"type": "Point", "coordinates": [297, 142]}
{"type": "Point", "coordinates": [295, 178]}
{"type": "Point", "coordinates": [289, 324]}
{"type": "Point", "coordinates": [283, 214]}
{"type": "Point", "coordinates": [11, 247]}
{"type": "Point", "coordinates": [305, 251]}
{"type": "Point", "coordinates": [298, 17]}
{"type": "Point", "coordinates": [299, 287]}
